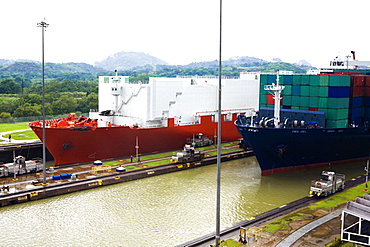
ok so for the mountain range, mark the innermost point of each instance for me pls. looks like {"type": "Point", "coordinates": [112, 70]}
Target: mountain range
{"type": "Point", "coordinates": [123, 61]}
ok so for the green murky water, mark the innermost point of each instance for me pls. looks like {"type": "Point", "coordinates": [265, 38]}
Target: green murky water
{"type": "Point", "coordinates": [165, 210]}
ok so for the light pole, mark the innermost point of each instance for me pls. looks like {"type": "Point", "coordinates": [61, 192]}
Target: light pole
{"type": "Point", "coordinates": [43, 25]}
{"type": "Point", "coordinates": [218, 197]}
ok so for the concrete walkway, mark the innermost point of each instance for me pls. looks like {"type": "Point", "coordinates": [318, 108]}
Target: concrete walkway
{"type": "Point", "coordinates": [292, 238]}
{"type": "Point", "coordinates": [5, 140]}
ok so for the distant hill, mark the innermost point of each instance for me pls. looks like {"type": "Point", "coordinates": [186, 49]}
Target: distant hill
{"type": "Point", "coordinates": [128, 60]}
{"type": "Point", "coordinates": [61, 71]}
{"type": "Point", "coordinates": [243, 61]}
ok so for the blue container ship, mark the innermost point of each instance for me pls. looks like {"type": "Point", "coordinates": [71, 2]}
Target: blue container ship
{"type": "Point", "coordinates": [310, 120]}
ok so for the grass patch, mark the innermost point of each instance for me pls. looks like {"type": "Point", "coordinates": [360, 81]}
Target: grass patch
{"type": "Point", "coordinates": [229, 243]}
{"type": "Point", "coordinates": [158, 162]}
{"type": "Point", "coordinates": [113, 163]}
{"type": "Point", "coordinates": [340, 198]}
{"type": "Point", "coordinates": [13, 126]}
{"type": "Point", "coordinates": [282, 224]}
{"type": "Point", "coordinates": [25, 135]}
{"type": "Point", "coordinates": [131, 168]}
{"type": "Point", "coordinates": [225, 151]}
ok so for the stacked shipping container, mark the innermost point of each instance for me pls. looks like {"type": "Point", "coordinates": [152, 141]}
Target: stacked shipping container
{"type": "Point", "coordinates": [344, 98]}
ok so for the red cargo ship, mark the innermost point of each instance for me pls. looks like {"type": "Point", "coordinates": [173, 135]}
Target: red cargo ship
{"type": "Point", "coordinates": [145, 118]}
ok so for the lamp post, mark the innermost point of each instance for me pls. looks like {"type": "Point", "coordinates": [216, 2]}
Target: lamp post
{"type": "Point", "coordinates": [43, 25]}
{"type": "Point", "coordinates": [218, 196]}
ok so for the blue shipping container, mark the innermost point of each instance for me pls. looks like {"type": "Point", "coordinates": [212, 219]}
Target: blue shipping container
{"type": "Point", "coordinates": [296, 90]}
{"type": "Point", "coordinates": [367, 101]}
{"type": "Point", "coordinates": [288, 80]}
{"type": "Point", "coordinates": [355, 112]}
{"type": "Point", "coordinates": [356, 101]}
{"type": "Point", "coordinates": [339, 92]}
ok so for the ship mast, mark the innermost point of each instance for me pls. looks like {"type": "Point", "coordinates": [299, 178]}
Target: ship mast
{"type": "Point", "coordinates": [115, 92]}
{"type": "Point", "coordinates": [276, 90]}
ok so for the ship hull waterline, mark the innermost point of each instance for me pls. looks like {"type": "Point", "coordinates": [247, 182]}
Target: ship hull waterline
{"type": "Point", "coordinates": [69, 146]}
{"type": "Point", "coordinates": [279, 150]}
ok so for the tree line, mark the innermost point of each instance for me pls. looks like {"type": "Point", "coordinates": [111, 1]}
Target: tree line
{"type": "Point", "coordinates": [20, 98]}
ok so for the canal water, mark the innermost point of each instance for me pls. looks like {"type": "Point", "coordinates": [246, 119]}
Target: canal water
{"type": "Point", "coordinates": [165, 210]}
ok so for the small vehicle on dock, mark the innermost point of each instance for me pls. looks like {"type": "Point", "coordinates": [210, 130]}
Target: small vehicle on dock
{"type": "Point", "coordinates": [199, 140]}
{"type": "Point", "coordinates": [188, 155]}
{"type": "Point", "coordinates": [329, 183]}
{"type": "Point", "coordinates": [20, 166]}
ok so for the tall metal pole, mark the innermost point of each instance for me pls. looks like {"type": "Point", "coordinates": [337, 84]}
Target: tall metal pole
{"type": "Point", "coordinates": [218, 200]}
{"type": "Point", "coordinates": [43, 25]}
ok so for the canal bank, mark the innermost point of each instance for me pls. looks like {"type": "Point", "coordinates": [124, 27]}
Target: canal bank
{"type": "Point", "coordinates": [29, 190]}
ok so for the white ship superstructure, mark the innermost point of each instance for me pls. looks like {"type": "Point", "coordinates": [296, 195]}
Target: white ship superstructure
{"type": "Point", "coordinates": [184, 99]}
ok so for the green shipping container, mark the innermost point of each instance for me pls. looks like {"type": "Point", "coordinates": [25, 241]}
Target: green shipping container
{"type": "Point", "coordinates": [335, 114]}
{"type": "Point", "coordinates": [323, 80]}
{"type": "Point", "coordinates": [314, 91]}
{"type": "Point", "coordinates": [338, 103]}
{"type": "Point", "coordinates": [297, 80]}
{"type": "Point", "coordinates": [339, 80]}
{"type": "Point", "coordinates": [287, 100]}
{"type": "Point", "coordinates": [323, 102]}
{"type": "Point", "coordinates": [342, 123]}
{"type": "Point", "coordinates": [323, 91]}
{"type": "Point", "coordinates": [262, 99]}
{"type": "Point", "coordinates": [287, 90]}
{"type": "Point", "coordinates": [305, 90]}
{"type": "Point", "coordinates": [304, 101]}
{"type": "Point", "coordinates": [314, 101]}
{"type": "Point", "coordinates": [296, 101]}
{"type": "Point", "coordinates": [314, 80]}
{"type": "Point", "coordinates": [305, 80]}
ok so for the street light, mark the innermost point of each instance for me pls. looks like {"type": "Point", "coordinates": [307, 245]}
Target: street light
{"type": "Point", "coordinates": [43, 25]}
{"type": "Point", "coordinates": [218, 176]}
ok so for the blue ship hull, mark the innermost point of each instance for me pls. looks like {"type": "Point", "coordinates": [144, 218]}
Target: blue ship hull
{"type": "Point", "coordinates": [283, 149]}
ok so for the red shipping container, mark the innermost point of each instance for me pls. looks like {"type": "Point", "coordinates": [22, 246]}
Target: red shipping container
{"type": "Point", "coordinates": [358, 81]}
{"type": "Point", "coordinates": [270, 100]}
{"type": "Point", "coordinates": [313, 108]}
{"type": "Point", "coordinates": [367, 81]}
{"type": "Point", "coordinates": [357, 91]}
{"type": "Point", "coordinates": [367, 91]}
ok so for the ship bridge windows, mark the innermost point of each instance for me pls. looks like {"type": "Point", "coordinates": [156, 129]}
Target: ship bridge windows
{"type": "Point", "coordinates": [228, 117]}
{"type": "Point", "coordinates": [337, 63]}
{"type": "Point", "coordinates": [115, 91]}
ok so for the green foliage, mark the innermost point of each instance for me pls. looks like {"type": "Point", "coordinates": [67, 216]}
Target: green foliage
{"type": "Point", "coordinates": [9, 104]}
{"type": "Point", "coordinates": [27, 110]}
{"type": "Point", "coordinates": [65, 103]}
{"type": "Point", "coordinates": [8, 86]}
{"type": "Point", "coordinates": [84, 104]}
{"type": "Point", "coordinates": [5, 115]}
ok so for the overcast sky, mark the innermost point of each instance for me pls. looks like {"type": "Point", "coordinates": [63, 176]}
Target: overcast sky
{"type": "Point", "coordinates": [180, 32]}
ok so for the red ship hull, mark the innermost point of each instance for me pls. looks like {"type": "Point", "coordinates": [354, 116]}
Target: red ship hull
{"type": "Point", "coordinates": [69, 145]}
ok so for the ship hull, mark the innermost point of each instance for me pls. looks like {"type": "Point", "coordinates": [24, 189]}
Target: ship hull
{"type": "Point", "coordinates": [279, 150]}
{"type": "Point", "coordinates": [68, 145]}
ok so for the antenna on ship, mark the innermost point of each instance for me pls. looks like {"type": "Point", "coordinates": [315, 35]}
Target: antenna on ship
{"type": "Point", "coordinates": [43, 25]}
{"type": "Point", "coordinates": [276, 90]}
